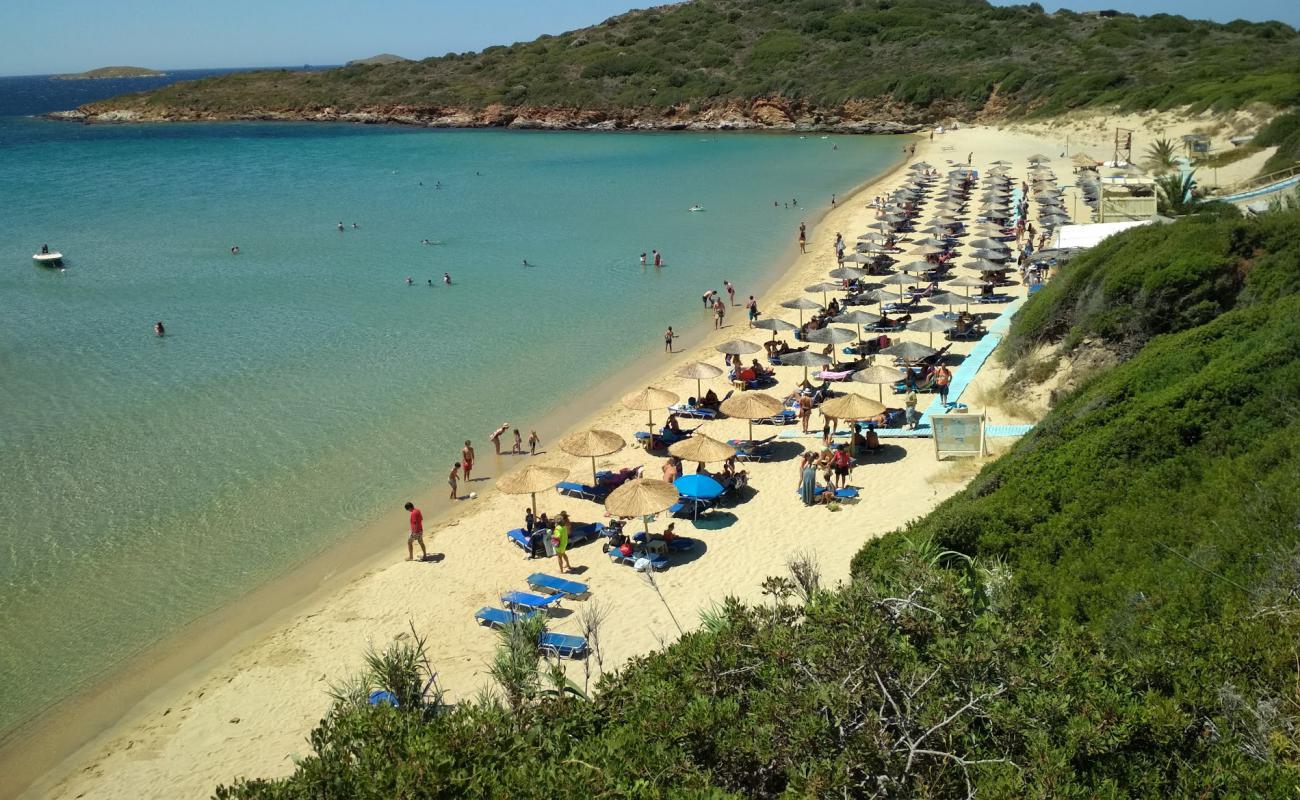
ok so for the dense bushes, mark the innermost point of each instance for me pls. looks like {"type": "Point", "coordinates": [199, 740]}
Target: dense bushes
{"type": "Point", "coordinates": [1284, 134]}
{"type": "Point", "coordinates": [1123, 622]}
{"type": "Point", "coordinates": [938, 57]}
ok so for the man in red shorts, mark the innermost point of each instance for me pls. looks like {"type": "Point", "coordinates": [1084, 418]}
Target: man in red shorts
{"type": "Point", "coordinates": [417, 533]}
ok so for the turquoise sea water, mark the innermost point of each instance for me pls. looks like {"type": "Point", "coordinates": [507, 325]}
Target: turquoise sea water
{"type": "Point", "coordinates": [303, 387]}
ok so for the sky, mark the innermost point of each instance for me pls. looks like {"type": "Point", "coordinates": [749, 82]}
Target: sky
{"type": "Point", "coordinates": [49, 36]}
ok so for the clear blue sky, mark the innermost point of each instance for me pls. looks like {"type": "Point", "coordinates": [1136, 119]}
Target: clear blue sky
{"type": "Point", "coordinates": [44, 36]}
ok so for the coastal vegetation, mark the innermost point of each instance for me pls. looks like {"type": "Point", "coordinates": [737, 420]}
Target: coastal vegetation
{"type": "Point", "coordinates": [1111, 608]}
{"type": "Point", "coordinates": [111, 72]}
{"type": "Point", "coordinates": [1282, 132]}
{"type": "Point", "coordinates": [904, 60]}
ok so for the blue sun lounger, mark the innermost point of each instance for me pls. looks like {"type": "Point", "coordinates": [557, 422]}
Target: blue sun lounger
{"type": "Point", "coordinates": [786, 417]}
{"type": "Point", "coordinates": [690, 507]}
{"type": "Point", "coordinates": [847, 493]}
{"type": "Point", "coordinates": [550, 583]}
{"type": "Point", "coordinates": [657, 562]}
{"type": "Point", "coordinates": [563, 645]}
{"type": "Point", "coordinates": [584, 492]}
{"type": "Point", "coordinates": [578, 535]}
{"type": "Point", "coordinates": [528, 600]}
{"type": "Point", "coordinates": [752, 450]}
{"type": "Point", "coordinates": [678, 544]}
{"type": "Point", "coordinates": [499, 617]}
{"type": "Point", "coordinates": [663, 437]}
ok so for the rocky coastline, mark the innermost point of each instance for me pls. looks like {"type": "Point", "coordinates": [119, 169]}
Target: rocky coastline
{"type": "Point", "coordinates": [775, 115]}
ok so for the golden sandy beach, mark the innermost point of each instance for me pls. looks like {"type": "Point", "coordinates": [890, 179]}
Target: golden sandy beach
{"type": "Point", "coordinates": [249, 715]}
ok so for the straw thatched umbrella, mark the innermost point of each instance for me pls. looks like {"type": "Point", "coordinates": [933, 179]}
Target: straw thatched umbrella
{"type": "Point", "coordinates": [858, 318]}
{"type": "Point", "coordinates": [1038, 158]}
{"type": "Point", "coordinates": [830, 336]}
{"type": "Point", "coordinates": [825, 287]}
{"type": "Point", "coordinates": [641, 497]}
{"type": "Point", "coordinates": [775, 324]}
{"type": "Point", "coordinates": [947, 299]}
{"type": "Point", "coordinates": [700, 372]}
{"type": "Point", "coordinates": [849, 273]}
{"type": "Point", "coordinates": [805, 359]}
{"type": "Point", "coordinates": [802, 304]}
{"type": "Point", "coordinates": [928, 325]}
{"type": "Point", "coordinates": [532, 479]}
{"type": "Point", "coordinates": [852, 407]}
{"type": "Point", "coordinates": [858, 258]}
{"type": "Point", "coordinates": [900, 279]}
{"type": "Point", "coordinates": [648, 400]}
{"type": "Point", "coordinates": [591, 444]}
{"type": "Point", "coordinates": [909, 351]}
{"type": "Point", "coordinates": [702, 449]}
{"type": "Point", "coordinates": [879, 375]}
{"type": "Point", "coordinates": [751, 406]}
{"type": "Point", "coordinates": [738, 347]}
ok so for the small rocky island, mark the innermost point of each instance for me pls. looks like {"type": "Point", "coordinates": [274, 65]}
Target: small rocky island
{"type": "Point", "coordinates": [111, 72]}
{"type": "Point", "coordinates": [382, 58]}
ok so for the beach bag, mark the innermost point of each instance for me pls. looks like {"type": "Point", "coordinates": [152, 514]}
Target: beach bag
{"type": "Point", "coordinates": [549, 542]}
{"type": "Point", "coordinates": [625, 549]}
{"type": "Point", "coordinates": [641, 564]}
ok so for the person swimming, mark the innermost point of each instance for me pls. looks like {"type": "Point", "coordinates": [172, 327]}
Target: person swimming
{"type": "Point", "coordinates": [446, 278]}
{"type": "Point", "coordinates": [355, 226]}
{"type": "Point", "coordinates": [431, 281]}
{"type": "Point", "coordinates": [234, 251]}
{"type": "Point", "coordinates": [409, 281]}
{"type": "Point", "coordinates": [158, 329]}
{"type": "Point", "coordinates": [340, 225]}
{"type": "Point", "coordinates": [525, 262]}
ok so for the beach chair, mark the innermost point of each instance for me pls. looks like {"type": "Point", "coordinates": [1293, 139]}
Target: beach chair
{"type": "Point", "coordinates": [582, 491]}
{"type": "Point", "coordinates": [847, 493]}
{"type": "Point", "coordinates": [693, 412]}
{"type": "Point", "coordinates": [656, 561]}
{"type": "Point", "coordinates": [786, 417]}
{"type": "Point", "coordinates": [519, 537]}
{"type": "Point", "coordinates": [678, 544]}
{"type": "Point", "coordinates": [752, 450]}
{"type": "Point", "coordinates": [499, 617]}
{"type": "Point", "coordinates": [562, 645]}
{"type": "Point", "coordinates": [516, 601]}
{"type": "Point", "coordinates": [550, 583]}
{"type": "Point", "coordinates": [663, 438]}
{"type": "Point", "coordinates": [690, 507]}
{"type": "Point", "coordinates": [586, 532]}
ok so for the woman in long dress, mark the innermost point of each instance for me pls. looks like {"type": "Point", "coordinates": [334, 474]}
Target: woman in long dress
{"type": "Point", "coordinates": [808, 481]}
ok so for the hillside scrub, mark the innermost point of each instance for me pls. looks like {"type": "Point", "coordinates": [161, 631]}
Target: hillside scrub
{"type": "Point", "coordinates": [908, 60]}
{"type": "Point", "coordinates": [1109, 609]}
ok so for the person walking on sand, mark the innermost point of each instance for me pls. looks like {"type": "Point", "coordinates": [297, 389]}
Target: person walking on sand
{"type": "Point", "coordinates": [560, 538]}
{"type": "Point", "coordinates": [668, 339]}
{"type": "Point", "coordinates": [805, 410]}
{"type": "Point", "coordinates": [416, 534]}
{"type": "Point", "coordinates": [495, 437]}
{"type": "Point", "coordinates": [719, 311]}
{"type": "Point", "coordinates": [803, 241]}
{"type": "Point", "coordinates": [910, 407]}
{"type": "Point", "coordinates": [467, 459]}
{"type": "Point", "coordinates": [752, 305]}
{"type": "Point", "coordinates": [731, 291]}
{"type": "Point", "coordinates": [518, 447]}
{"type": "Point", "coordinates": [942, 377]}
{"type": "Point", "coordinates": [533, 441]}
{"type": "Point", "coordinates": [452, 478]}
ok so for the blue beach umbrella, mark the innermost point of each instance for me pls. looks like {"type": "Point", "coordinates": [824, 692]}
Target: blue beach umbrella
{"type": "Point", "coordinates": [700, 486]}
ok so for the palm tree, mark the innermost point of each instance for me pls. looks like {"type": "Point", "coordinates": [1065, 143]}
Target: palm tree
{"type": "Point", "coordinates": [1175, 192]}
{"type": "Point", "coordinates": [1162, 156]}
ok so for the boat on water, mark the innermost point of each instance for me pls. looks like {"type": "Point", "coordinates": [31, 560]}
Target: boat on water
{"type": "Point", "coordinates": [47, 258]}
{"type": "Point", "coordinates": [696, 208]}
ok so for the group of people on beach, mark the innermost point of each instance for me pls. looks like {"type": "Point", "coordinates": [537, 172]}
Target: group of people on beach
{"type": "Point", "coordinates": [462, 471]}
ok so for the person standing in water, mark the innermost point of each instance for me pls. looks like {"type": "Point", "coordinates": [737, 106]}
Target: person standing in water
{"type": "Point", "coordinates": [452, 478]}
{"type": "Point", "coordinates": [518, 448]}
{"type": "Point", "coordinates": [158, 329]}
{"type": "Point", "coordinates": [496, 436]}
{"type": "Point", "coordinates": [446, 279]}
{"type": "Point", "coordinates": [340, 226]}
{"type": "Point", "coordinates": [533, 441]}
{"type": "Point", "coordinates": [643, 259]}
{"type": "Point", "coordinates": [467, 459]}
{"type": "Point", "coordinates": [416, 534]}
{"type": "Point", "coordinates": [719, 312]}
{"type": "Point", "coordinates": [731, 291]}
{"type": "Point", "coordinates": [668, 339]}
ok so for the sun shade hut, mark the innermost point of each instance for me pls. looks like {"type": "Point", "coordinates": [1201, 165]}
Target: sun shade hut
{"type": "Point", "coordinates": [641, 497]}
{"type": "Point", "coordinates": [700, 372]}
{"type": "Point", "coordinates": [703, 449]}
{"type": "Point", "coordinates": [532, 479]}
{"type": "Point", "coordinates": [592, 444]}
{"type": "Point", "coordinates": [751, 406]}
{"type": "Point", "coordinates": [880, 375]}
{"type": "Point", "coordinates": [648, 400]}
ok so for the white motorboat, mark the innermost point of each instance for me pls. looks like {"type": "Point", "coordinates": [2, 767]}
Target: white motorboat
{"type": "Point", "coordinates": [48, 259]}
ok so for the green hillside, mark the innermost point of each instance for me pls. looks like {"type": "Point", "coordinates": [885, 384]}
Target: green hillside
{"type": "Point", "coordinates": [895, 59]}
{"type": "Point", "coordinates": [1111, 609]}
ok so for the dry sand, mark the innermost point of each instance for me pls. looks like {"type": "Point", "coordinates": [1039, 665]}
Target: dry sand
{"type": "Point", "coordinates": [249, 715]}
